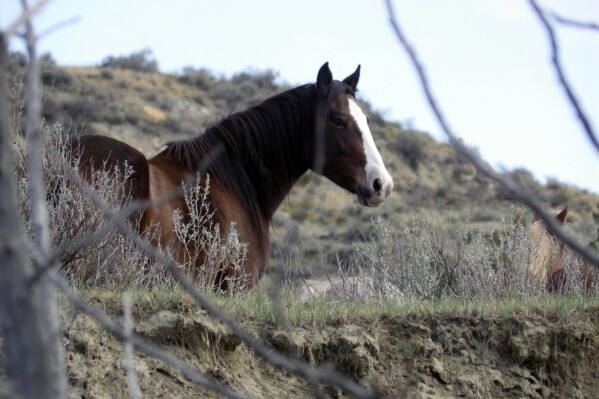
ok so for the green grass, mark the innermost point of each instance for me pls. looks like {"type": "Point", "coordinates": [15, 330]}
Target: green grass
{"type": "Point", "coordinates": [259, 306]}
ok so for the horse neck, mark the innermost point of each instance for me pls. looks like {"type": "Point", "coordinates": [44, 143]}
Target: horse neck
{"type": "Point", "coordinates": [267, 147]}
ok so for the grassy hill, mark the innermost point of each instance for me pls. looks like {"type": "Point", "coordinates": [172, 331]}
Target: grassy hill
{"type": "Point", "coordinates": [134, 103]}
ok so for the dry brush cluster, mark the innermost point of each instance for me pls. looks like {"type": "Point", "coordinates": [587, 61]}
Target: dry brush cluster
{"type": "Point", "coordinates": [102, 256]}
{"type": "Point", "coordinates": [424, 261]}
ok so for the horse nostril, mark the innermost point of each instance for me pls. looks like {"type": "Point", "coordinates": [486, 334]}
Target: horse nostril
{"type": "Point", "coordinates": [377, 185]}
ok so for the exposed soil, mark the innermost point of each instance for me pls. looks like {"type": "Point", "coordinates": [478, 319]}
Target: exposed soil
{"type": "Point", "coordinates": [534, 356]}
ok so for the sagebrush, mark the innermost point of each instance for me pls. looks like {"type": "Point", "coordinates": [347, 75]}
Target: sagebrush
{"type": "Point", "coordinates": [107, 258]}
{"type": "Point", "coordinates": [422, 261]}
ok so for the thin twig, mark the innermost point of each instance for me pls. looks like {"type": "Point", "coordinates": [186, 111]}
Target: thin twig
{"type": "Point", "coordinates": [555, 59]}
{"type": "Point", "coordinates": [59, 25]}
{"type": "Point", "coordinates": [573, 23]}
{"type": "Point", "coordinates": [48, 306]}
{"type": "Point", "coordinates": [24, 18]}
{"type": "Point", "coordinates": [128, 359]}
{"type": "Point", "coordinates": [507, 184]}
{"type": "Point", "coordinates": [39, 213]}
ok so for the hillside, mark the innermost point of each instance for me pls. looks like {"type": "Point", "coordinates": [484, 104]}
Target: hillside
{"type": "Point", "coordinates": [492, 333]}
{"type": "Point", "coordinates": [147, 109]}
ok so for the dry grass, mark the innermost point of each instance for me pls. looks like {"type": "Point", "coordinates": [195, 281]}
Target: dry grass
{"type": "Point", "coordinates": [285, 308]}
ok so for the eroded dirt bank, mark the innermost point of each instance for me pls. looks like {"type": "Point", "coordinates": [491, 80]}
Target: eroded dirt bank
{"type": "Point", "coordinates": [537, 356]}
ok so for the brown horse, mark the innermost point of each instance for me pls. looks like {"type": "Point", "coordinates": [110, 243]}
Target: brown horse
{"type": "Point", "coordinates": [96, 153]}
{"type": "Point", "coordinates": [253, 159]}
{"type": "Point", "coordinates": [547, 257]}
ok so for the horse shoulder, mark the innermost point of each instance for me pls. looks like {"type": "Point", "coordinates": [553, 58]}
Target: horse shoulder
{"type": "Point", "coordinates": [229, 209]}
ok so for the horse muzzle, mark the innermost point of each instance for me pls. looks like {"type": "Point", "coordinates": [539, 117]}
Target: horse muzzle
{"type": "Point", "coordinates": [376, 190]}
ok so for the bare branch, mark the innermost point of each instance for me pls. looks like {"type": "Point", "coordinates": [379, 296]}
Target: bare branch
{"type": "Point", "coordinates": [39, 213]}
{"type": "Point", "coordinates": [128, 359]}
{"type": "Point", "coordinates": [555, 58]}
{"type": "Point", "coordinates": [508, 185]}
{"type": "Point", "coordinates": [46, 368]}
{"type": "Point", "coordinates": [24, 18]}
{"type": "Point", "coordinates": [59, 25]}
{"type": "Point", "coordinates": [32, 347]}
{"type": "Point", "coordinates": [574, 23]}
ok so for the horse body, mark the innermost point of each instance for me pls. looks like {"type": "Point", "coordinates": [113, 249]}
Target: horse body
{"type": "Point", "coordinates": [547, 254]}
{"type": "Point", "coordinates": [547, 257]}
{"type": "Point", "coordinates": [97, 153]}
{"type": "Point", "coordinates": [254, 158]}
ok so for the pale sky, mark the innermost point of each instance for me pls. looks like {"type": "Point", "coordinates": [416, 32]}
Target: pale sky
{"type": "Point", "coordinates": [487, 60]}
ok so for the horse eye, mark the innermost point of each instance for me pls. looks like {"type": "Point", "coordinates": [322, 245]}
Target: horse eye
{"type": "Point", "coordinates": [339, 122]}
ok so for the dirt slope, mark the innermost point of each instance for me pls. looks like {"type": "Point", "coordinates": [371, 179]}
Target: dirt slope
{"type": "Point", "coordinates": [538, 356]}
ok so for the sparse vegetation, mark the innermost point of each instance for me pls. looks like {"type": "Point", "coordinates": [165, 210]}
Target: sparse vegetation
{"type": "Point", "coordinates": [110, 261]}
{"type": "Point", "coordinates": [412, 147]}
{"type": "Point", "coordinates": [201, 237]}
{"type": "Point", "coordinates": [142, 61]}
{"type": "Point", "coordinates": [422, 261]}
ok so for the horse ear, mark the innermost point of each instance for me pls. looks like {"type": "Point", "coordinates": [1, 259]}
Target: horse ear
{"type": "Point", "coordinates": [324, 79]}
{"type": "Point", "coordinates": [352, 80]}
{"type": "Point", "coordinates": [561, 217]}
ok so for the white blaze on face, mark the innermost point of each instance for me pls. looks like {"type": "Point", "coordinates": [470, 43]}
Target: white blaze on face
{"type": "Point", "coordinates": [375, 168]}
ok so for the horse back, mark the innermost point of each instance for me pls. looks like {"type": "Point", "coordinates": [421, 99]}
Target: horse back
{"type": "Point", "coordinates": [101, 153]}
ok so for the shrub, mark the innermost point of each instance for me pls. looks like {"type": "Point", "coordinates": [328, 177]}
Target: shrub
{"type": "Point", "coordinates": [55, 77]}
{"type": "Point", "coordinates": [110, 260]}
{"type": "Point", "coordinates": [411, 145]}
{"type": "Point", "coordinates": [201, 238]}
{"type": "Point", "coordinates": [141, 61]}
{"type": "Point", "coordinates": [263, 80]}
{"type": "Point", "coordinates": [16, 63]}
{"type": "Point", "coordinates": [423, 262]}
{"type": "Point", "coordinates": [203, 79]}
{"type": "Point", "coordinates": [245, 89]}
{"type": "Point", "coordinates": [557, 193]}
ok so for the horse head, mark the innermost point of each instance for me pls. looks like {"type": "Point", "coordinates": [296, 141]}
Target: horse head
{"type": "Point", "coordinates": [343, 148]}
